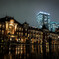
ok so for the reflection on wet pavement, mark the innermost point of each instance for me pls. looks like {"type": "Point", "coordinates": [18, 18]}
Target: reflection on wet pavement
{"type": "Point", "coordinates": [23, 51]}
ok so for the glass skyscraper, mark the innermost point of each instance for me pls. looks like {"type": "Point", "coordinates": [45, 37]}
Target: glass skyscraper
{"type": "Point", "coordinates": [54, 26]}
{"type": "Point", "coordinates": [43, 18]}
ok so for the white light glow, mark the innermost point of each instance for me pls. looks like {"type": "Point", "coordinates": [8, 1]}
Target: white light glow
{"type": "Point", "coordinates": [43, 13]}
{"type": "Point", "coordinates": [58, 36]}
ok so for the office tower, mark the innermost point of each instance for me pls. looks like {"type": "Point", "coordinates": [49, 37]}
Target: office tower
{"type": "Point", "coordinates": [43, 18]}
{"type": "Point", "coordinates": [53, 26]}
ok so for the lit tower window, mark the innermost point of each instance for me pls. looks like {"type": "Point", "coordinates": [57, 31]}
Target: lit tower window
{"type": "Point", "coordinates": [0, 25]}
{"type": "Point", "coordinates": [11, 22]}
{"type": "Point", "coordinates": [15, 26]}
{"type": "Point", "coordinates": [7, 25]}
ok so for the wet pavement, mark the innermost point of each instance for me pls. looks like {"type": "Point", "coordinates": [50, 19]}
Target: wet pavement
{"type": "Point", "coordinates": [23, 51]}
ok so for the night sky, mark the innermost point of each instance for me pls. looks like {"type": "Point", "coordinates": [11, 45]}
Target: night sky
{"type": "Point", "coordinates": [26, 10]}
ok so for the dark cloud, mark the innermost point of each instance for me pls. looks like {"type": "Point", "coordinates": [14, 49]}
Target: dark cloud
{"type": "Point", "coordinates": [27, 9]}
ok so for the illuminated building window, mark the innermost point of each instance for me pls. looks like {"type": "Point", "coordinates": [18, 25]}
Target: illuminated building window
{"type": "Point", "coordinates": [2, 31]}
{"type": "Point", "coordinates": [41, 32]}
{"type": "Point", "coordinates": [30, 31]}
{"type": "Point", "coordinates": [17, 28]}
{"type": "Point", "coordinates": [25, 29]}
{"type": "Point", "coordinates": [17, 32]}
{"type": "Point", "coordinates": [21, 34]}
{"type": "Point", "coordinates": [3, 26]}
{"type": "Point", "coordinates": [25, 34]}
{"type": "Point", "coordinates": [20, 29]}
{"type": "Point", "coordinates": [33, 31]}
{"type": "Point", "coordinates": [37, 32]}
{"type": "Point", "coordinates": [7, 25]}
{"type": "Point", "coordinates": [0, 25]}
{"type": "Point", "coordinates": [28, 35]}
{"type": "Point", "coordinates": [36, 35]}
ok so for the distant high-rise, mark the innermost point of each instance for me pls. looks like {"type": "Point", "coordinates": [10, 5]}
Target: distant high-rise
{"type": "Point", "coordinates": [43, 18]}
{"type": "Point", "coordinates": [54, 26]}
{"type": "Point", "coordinates": [57, 25]}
